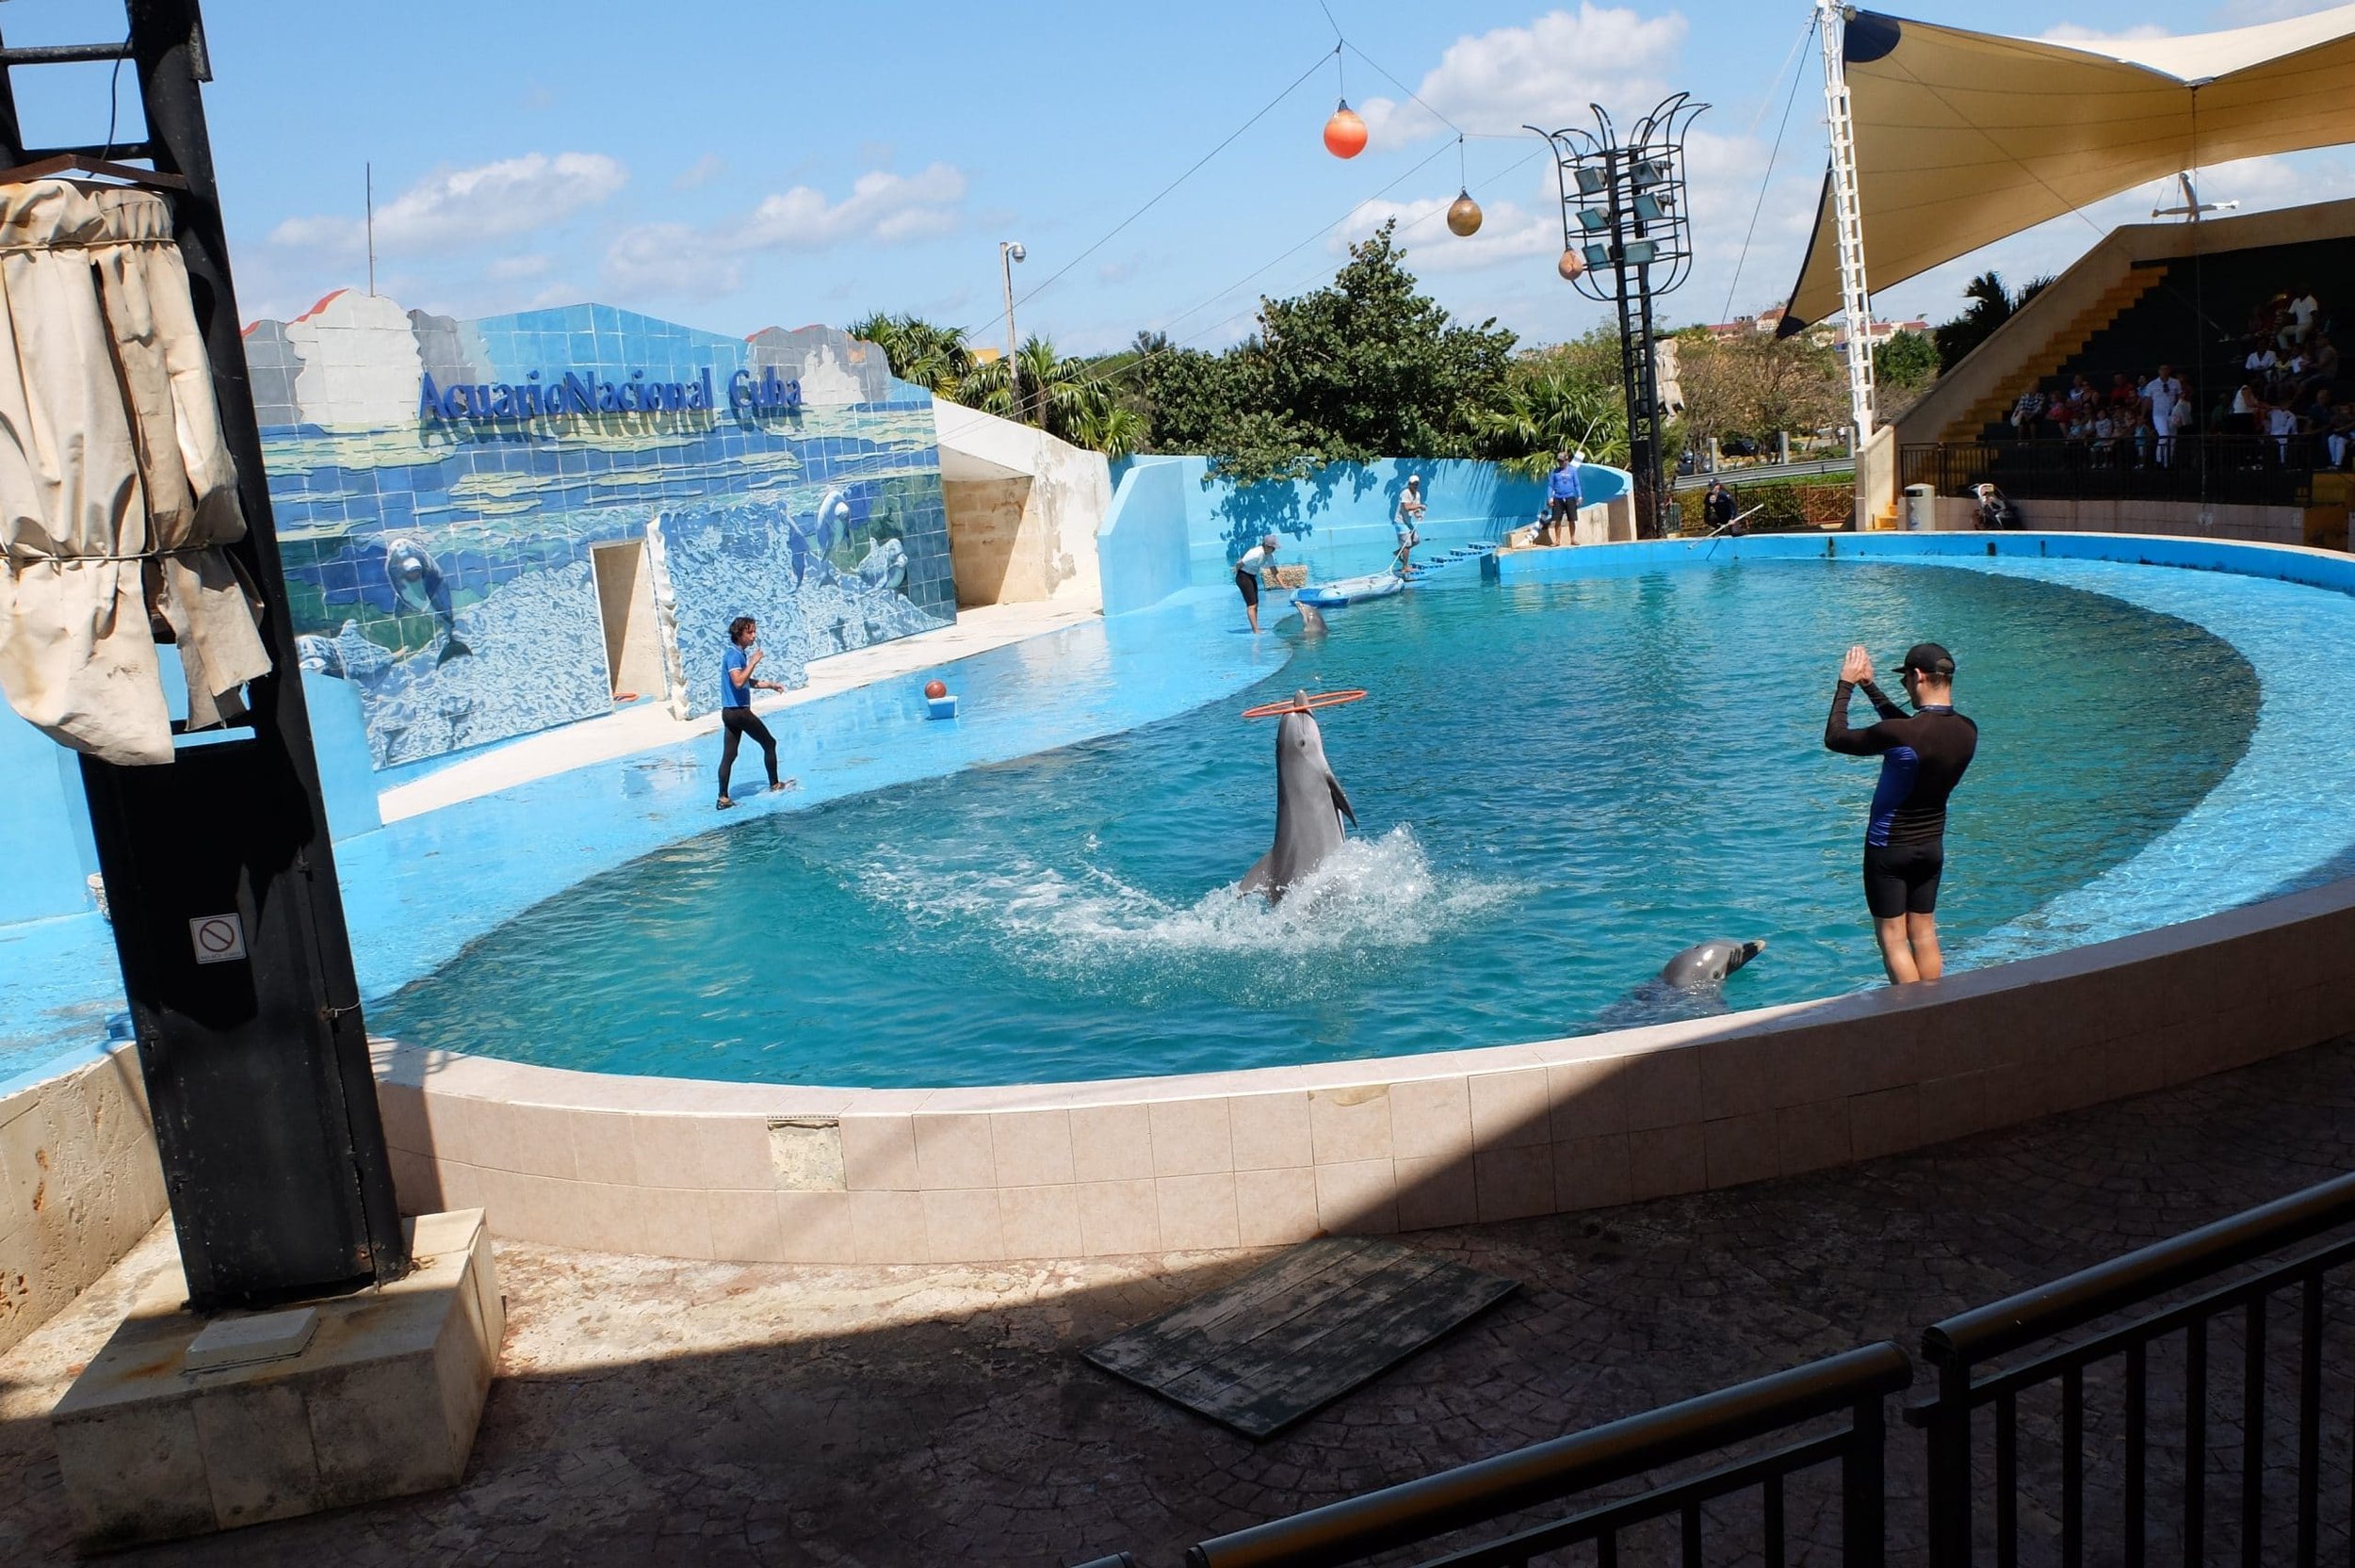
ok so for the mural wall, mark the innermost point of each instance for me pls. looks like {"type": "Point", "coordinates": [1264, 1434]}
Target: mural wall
{"type": "Point", "coordinates": [441, 486]}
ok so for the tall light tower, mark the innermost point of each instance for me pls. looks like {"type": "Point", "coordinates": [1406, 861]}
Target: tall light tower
{"type": "Point", "coordinates": [1624, 212]}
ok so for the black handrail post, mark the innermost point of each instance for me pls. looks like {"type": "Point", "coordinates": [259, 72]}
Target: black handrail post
{"type": "Point", "coordinates": [1950, 1465]}
{"type": "Point", "coordinates": [1863, 1482]}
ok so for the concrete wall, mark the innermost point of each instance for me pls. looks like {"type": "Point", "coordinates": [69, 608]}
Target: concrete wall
{"type": "Point", "coordinates": [1276, 1156]}
{"type": "Point", "coordinates": [80, 1182]}
{"type": "Point", "coordinates": [1141, 553]}
{"type": "Point", "coordinates": [1023, 509]}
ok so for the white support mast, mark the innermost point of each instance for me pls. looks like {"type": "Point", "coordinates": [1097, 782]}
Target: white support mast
{"type": "Point", "coordinates": [1847, 225]}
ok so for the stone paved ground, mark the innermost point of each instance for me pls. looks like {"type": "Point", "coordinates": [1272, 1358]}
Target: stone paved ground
{"type": "Point", "coordinates": [657, 1411]}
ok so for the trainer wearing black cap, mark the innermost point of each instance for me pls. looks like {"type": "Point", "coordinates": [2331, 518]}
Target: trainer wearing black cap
{"type": "Point", "coordinates": [1923, 757]}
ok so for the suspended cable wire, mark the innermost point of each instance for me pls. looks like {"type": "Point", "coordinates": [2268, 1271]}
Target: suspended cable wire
{"type": "Point", "coordinates": [1264, 110]}
{"type": "Point", "coordinates": [1766, 181]}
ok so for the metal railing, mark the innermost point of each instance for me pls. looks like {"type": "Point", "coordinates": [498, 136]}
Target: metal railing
{"type": "Point", "coordinates": [1491, 1491]}
{"type": "Point", "coordinates": [2219, 469]}
{"type": "Point", "coordinates": [1961, 1349]}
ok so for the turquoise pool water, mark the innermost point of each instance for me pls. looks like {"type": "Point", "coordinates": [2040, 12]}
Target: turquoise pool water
{"type": "Point", "coordinates": [1556, 786]}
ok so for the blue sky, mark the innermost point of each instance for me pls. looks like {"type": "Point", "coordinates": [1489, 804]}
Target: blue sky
{"type": "Point", "coordinates": [736, 166]}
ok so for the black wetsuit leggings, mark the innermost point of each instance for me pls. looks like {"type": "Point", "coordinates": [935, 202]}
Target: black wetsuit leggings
{"type": "Point", "coordinates": [740, 723]}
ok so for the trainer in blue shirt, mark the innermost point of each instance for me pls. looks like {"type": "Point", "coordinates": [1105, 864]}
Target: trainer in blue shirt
{"type": "Point", "coordinates": [736, 704]}
{"type": "Point", "coordinates": [1562, 500]}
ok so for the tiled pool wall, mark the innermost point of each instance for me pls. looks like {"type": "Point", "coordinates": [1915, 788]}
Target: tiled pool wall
{"type": "Point", "coordinates": [1277, 1155]}
{"type": "Point", "coordinates": [789, 476]}
{"type": "Point", "coordinates": [1174, 524]}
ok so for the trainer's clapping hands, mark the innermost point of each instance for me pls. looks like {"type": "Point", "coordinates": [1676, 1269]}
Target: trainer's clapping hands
{"type": "Point", "coordinates": [1857, 667]}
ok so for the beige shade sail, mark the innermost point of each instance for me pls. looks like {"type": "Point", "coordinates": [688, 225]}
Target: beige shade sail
{"type": "Point", "coordinates": [1963, 139]}
{"type": "Point", "coordinates": [116, 488]}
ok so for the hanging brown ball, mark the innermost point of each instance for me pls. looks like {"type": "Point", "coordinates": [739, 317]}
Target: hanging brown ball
{"type": "Point", "coordinates": [1572, 266]}
{"type": "Point", "coordinates": [1463, 215]}
{"type": "Point", "coordinates": [1344, 134]}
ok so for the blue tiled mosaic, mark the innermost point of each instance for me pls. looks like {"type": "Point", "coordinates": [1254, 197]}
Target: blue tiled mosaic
{"type": "Point", "coordinates": [439, 486]}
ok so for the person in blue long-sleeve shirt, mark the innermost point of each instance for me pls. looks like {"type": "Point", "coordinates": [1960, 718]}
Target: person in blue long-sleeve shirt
{"type": "Point", "coordinates": [1562, 501]}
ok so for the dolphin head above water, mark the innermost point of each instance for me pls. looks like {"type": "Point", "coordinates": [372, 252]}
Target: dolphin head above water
{"type": "Point", "coordinates": [1708, 964]}
{"type": "Point", "coordinates": [1309, 805]}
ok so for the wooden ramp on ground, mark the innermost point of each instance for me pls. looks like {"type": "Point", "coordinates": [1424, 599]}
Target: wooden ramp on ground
{"type": "Point", "coordinates": [1298, 1333]}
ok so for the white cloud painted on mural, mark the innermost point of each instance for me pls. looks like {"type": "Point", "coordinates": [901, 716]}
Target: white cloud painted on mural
{"type": "Point", "coordinates": [882, 208]}
{"type": "Point", "coordinates": [458, 208]}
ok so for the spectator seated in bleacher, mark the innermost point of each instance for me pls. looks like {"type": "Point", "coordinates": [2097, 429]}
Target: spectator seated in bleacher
{"type": "Point", "coordinates": [2025, 413]}
{"type": "Point", "coordinates": [2334, 422]}
{"type": "Point", "coordinates": [2301, 315]}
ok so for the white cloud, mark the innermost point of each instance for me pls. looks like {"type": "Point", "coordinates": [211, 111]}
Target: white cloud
{"type": "Point", "coordinates": [2070, 32]}
{"type": "Point", "coordinates": [881, 207]}
{"type": "Point", "coordinates": [1508, 234]}
{"type": "Point", "coordinates": [700, 172]}
{"type": "Point", "coordinates": [528, 264]}
{"type": "Point", "coordinates": [464, 207]}
{"type": "Point", "coordinates": [1545, 73]}
{"type": "Point", "coordinates": [669, 259]}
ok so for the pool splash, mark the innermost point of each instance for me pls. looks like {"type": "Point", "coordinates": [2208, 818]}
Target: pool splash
{"type": "Point", "coordinates": [1376, 900]}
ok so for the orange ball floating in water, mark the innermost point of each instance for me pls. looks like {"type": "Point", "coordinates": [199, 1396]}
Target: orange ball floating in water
{"type": "Point", "coordinates": [1344, 134]}
{"type": "Point", "coordinates": [935, 688]}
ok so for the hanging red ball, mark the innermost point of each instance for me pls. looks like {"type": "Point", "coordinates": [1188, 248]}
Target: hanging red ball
{"type": "Point", "coordinates": [1463, 216]}
{"type": "Point", "coordinates": [1571, 266]}
{"type": "Point", "coordinates": [1344, 134]}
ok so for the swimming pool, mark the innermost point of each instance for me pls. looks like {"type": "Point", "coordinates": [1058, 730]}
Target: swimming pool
{"type": "Point", "coordinates": [1557, 785]}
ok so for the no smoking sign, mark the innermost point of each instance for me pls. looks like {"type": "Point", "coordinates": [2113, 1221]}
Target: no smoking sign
{"type": "Point", "coordinates": [218, 938]}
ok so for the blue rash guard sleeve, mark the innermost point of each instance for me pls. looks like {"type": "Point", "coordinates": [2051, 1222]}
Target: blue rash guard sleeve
{"type": "Point", "coordinates": [1923, 757]}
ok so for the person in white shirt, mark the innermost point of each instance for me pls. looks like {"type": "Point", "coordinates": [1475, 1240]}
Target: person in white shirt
{"type": "Point", "coordinates": [2281, 424]}
{"type": "Point", "coordinates": [2302, 312]}
{"type": "Point", "coordinates": [2164, 390]}
{"type": "Point", "coordinates": [1248, 575]}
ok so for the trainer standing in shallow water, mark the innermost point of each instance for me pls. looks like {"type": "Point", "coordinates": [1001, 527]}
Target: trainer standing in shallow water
{"type": "Point", "coordinates": [1248, 575]}
{"type": "Point", "coordinates": [1923, 758]}
{"type": "Point", "coordinates": [737, 685]}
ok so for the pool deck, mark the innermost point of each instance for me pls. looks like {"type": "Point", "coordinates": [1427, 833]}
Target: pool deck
{"type": "Point", "coordinates": [649, 725]}
{"type": "Point", "coordinates": [656, 1410]}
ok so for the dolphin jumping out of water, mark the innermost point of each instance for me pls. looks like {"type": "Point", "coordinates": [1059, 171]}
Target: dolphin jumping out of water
{"type": "Point", "coordinates": [1309, 805]}
{"type": "Point", "coordinates": [1706, 965]}
{"type": "Point", "coordinates": [418, 585]}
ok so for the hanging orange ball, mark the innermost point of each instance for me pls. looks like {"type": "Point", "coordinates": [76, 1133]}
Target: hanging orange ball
{"type": "Point", "coordinates": [1344, 134]}
{"type": "Point", "coordinates": [1463, 216]}
{"type": "Point", "coordinates": [1572, 266]}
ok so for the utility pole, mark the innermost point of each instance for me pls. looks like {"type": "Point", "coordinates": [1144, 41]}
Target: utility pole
{"type": "Point", "coordinates": [1010, 251]}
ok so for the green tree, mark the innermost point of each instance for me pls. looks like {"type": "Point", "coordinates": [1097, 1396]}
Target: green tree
{"type": "Point", "coordinates": [1362, 368]}
{"type": "Point", "coordinates": [1063, 397]}
{"type": "Point", "coordinates": [1990, 305]}
{"type": "Point", "coordinates": [1905, 360]}
{"type": "Point", "coordinates": [1564, 396]}
{"type": "Point", "coordinates": [931, 356]}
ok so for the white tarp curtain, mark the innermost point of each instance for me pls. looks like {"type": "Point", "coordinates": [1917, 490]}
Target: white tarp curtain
{"type": "Point", "coordinates": [1963, 139]}
{"type": "Point", "coordinates": [116, 488]}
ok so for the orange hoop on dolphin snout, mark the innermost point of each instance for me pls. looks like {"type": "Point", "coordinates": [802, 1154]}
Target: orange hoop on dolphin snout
{"type": "Point", "coordinates": [1316, 700]}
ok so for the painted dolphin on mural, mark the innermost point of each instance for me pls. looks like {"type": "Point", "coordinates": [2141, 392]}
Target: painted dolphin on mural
{"type": "Point", "coordinates": [828, 526]}
{"type": "Point", "coordinates": [885, 566]}
{"type": "Point", "coordinates": [1690, 985]}
{"type": "Point", "coordinates": [419, 584]}
{"type": "Point", "coordinates": [313, 651]}
{"type": "Point", "coordinates": [1309, 805]}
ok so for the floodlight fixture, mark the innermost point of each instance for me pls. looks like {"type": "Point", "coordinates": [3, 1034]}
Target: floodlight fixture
{"type": "Point", "coordinates": [1593, 219]}
{"type": "Point", "coordinates": [1591, 180]}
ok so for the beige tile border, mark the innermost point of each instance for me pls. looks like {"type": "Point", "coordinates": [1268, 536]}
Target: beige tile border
{"type": "Point", "coordinates": [768, 1172]}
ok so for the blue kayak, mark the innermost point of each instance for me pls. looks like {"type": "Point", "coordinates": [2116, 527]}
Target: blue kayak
{"type": "Point", "coordinates": [1349, 590]}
